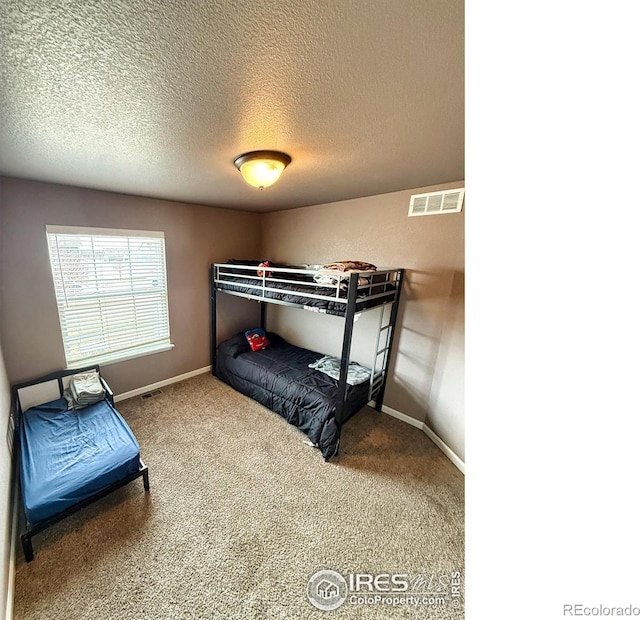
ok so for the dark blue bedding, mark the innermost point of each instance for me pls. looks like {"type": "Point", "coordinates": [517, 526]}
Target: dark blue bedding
{"type": "Point", "coordinates": [68, 455]}
{"type": "Point", "coordinates": [279, 377]}
{"type": "Point", "coordinates": [288, 292]}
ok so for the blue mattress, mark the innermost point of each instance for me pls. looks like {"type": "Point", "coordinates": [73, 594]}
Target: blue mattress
{"type": "Point", "coordinates": [68, 455]}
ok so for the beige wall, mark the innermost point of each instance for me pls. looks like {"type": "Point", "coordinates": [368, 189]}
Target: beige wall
{"type": "Point", "coordinates": [195, 236]}
{"type": "Point", "coordinates": [427, 365]}
{"type": "Point", "coordinates": [5, 484]}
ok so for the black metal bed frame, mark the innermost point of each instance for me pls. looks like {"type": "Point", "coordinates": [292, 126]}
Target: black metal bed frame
{"type": "Point", "coordinates": [31, 529]}
{"type": "Point", "coordinates": [350, 313]}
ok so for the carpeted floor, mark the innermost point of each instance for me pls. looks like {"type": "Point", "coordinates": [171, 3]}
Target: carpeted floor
{"type": "Point", "coordinates": [242, 513]}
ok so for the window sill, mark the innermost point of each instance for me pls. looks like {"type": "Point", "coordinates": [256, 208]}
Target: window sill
{"type": "Point", "coordinates": [106, 360]}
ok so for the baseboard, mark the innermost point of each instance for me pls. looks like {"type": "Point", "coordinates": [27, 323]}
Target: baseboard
{"type": "Point", "coordinates": [449, 453]}
{"type": "Point", "coordinates": [159, 384]}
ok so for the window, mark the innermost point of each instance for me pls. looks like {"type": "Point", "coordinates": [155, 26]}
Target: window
{"type": "Point", "coordinates": [111, 289]}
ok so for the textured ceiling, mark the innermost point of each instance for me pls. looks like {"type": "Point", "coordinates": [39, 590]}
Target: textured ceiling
{"type": "Point", "coordinates": [158, 98]}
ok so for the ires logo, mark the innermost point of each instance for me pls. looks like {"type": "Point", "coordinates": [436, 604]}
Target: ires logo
{"type": "Point", "coordinates": [327, 589]}
{"type": "Point", "coordinates": [384, 582]}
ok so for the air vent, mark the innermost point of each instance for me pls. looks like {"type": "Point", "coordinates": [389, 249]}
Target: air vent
{"type": "Point", "coordinates": [434, 203]}
{"type": "Point", "coordinates": [152, 394]}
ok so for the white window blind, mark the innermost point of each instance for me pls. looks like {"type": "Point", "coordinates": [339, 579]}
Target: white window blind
{"type": "Point", "coordinates": [111, 289]}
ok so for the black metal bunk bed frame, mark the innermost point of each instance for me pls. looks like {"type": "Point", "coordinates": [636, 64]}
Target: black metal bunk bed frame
{"type": "Point", "coordinates": [221, 274]}
{"type": "Point", "coordinates": [31, 529]}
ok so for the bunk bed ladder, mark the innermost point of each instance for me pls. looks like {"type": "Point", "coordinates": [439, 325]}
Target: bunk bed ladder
{"type": "Point", "coordinates": [379, 371]}
{"type": "Point", "coordinates": [378, 379]}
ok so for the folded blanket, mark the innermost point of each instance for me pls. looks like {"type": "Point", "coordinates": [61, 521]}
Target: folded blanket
{"type": "Point", "coordinates": [345, 266]}
{"type": "Point", "coordinates": [85, 388]}
{"type": "Point", "coordinates": [331, 366]}
{"type": "Point", "coordinates": [330, 280]}
{"type": "Point", "coordinates": [350, 265]}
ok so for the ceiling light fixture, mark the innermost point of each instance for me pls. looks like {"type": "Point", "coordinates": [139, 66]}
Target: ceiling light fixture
{"type": "Point", "coordinates": [262, 168]}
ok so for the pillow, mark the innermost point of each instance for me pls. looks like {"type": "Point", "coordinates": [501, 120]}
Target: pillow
{"type": "Point", "coordinates": [243, 272]}
{"type": "Point", "coordinates": [257, 339]}
{"type": "Point", "coordinates": [235, 261]}
{"type": "Point", "coordinates": [330, 366]}
{"type": "Point", "coordinates": [55, 406]}
{"type": "Point", "coordinates": [234, 346]}
{"type": "Point", "coordinates": [238, 344]}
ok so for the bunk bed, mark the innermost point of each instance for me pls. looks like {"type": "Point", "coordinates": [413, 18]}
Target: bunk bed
{"type": "Point", "coordinates": [314, 392]}
{"type": "Point", "coordinates": [67, 456]}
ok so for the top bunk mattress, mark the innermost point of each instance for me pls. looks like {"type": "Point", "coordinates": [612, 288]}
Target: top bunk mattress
{"type": "Point", "coordinates": [315, 290]}
{"type": "Point", "coordinates": [69, 455]}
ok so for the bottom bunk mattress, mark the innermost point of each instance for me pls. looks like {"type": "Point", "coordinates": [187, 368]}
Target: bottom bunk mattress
{"type": "Point", "coordinates": [279, 378]}
{"type": "Point", "coordinates": [69, 455]}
